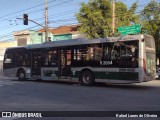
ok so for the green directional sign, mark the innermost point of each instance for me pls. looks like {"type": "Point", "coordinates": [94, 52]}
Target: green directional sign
{"type": "Point", "coordinates": [134, 29]}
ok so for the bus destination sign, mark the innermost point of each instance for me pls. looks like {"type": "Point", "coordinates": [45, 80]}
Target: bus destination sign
{"type": "Point", "coordinates": [134, 29]}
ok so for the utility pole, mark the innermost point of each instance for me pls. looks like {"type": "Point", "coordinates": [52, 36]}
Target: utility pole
{"type": "Point", "coordinates": [113, 16]}
{"type": "Point", "coordinates": [46, 20]}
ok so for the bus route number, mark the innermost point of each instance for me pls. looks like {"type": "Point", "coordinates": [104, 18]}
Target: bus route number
{"type": "Point", "coordinates": [106, 62]}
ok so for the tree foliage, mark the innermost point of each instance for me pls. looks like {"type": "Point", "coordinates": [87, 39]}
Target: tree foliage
{"type": "Point", "coordinates": [150, 17]}
{"type": "Point", "coordinates": [95, 17]}
{"type": "Point", "coordinates": [124, 16]}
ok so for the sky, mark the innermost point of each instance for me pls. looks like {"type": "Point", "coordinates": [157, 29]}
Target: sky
{"type": "Point", "coordinates": [60, 13]}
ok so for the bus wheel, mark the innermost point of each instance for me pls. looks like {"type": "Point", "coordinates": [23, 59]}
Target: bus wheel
{"type": "Point", "coordinates": [21, 75]}
{"type": "Point", "coordinates": [86, 78]}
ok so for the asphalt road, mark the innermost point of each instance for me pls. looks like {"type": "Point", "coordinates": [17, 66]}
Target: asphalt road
{"type": "Point", "coordinates": [65, 96]}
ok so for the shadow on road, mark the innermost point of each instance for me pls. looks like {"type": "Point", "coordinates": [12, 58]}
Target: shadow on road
{"type": "Point", "coordinates": [128, 86]}
{"type": "Point", "coordinates": [144, 85]}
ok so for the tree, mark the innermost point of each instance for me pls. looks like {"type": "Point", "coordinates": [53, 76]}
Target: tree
{"type": "Point", "coordinates": [150, 17]}
{"type": "Point", "coordinates": [95, 17]}
{"type": "Point", "coordinates": [126, 17]}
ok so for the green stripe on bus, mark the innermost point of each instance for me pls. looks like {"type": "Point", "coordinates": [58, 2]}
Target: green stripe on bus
{"type": "Point", "coordinates": [116, 75]}
{"type": "Point", "coordinates": [112, 75]}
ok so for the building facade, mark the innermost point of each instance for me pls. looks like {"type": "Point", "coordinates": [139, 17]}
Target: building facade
{"type": "Point", "coordinates": [64, 33]}
{"type": "Point", "coordinates": [27, 37]}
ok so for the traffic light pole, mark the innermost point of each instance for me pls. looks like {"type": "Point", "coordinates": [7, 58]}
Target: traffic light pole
{"type": "Point", "coordinates": [46, 33]}
{"type": "Point", "coordinates": [33, 22]}
{"type": "Point", "coordinates": [25, 19]}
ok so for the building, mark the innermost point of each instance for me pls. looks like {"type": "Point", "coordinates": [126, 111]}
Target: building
{"type": "Point", "coordinates": [65, 33]}
{"type": "Point", "coordinates": [26, 37]}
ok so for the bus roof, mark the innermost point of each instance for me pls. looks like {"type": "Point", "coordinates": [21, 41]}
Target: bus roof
{"type": "Point", "coordinates": [81, 41]}
{"type": "Point", "coordinates": [70, 42]}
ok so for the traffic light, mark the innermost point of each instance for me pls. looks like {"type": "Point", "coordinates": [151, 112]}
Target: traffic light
{"type": "Point", "coordinates": [25, 19]}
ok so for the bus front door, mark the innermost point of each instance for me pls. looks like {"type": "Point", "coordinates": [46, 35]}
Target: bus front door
{"type": "Point", "coordinates": [36, 64]}
{"type": "Point", "coordinates": [65, 63]}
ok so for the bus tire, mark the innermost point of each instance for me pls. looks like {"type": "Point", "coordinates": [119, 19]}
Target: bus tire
{"type": "Point", "coordinates": [86, 78]}
{"type": "Point", "coordinates": [21, 75]}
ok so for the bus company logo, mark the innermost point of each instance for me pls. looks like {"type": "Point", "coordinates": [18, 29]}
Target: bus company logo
{"type": "Point", "coordinates": [6, 114]}
{"type": "Point", "coordinates": [20, 114]}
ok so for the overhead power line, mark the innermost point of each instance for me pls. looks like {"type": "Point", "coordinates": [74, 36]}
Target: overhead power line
{"type": "Point", "coordinates": [59, 14]}
{"type": "Point", "coordinates": [1, 17]}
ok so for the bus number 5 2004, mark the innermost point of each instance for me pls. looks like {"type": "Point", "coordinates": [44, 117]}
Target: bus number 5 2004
{"type": "Point", "coordinates": [106, 62]}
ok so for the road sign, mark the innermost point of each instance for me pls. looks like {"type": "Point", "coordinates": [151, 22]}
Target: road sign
{"type": "Point", "coordinates": [134, 29]}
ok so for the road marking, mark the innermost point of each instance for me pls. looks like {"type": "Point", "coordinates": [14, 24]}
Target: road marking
{"type": "Point", "coordinates": [7, 118]}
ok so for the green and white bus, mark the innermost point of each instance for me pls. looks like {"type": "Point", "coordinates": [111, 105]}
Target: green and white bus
{"type": "Point", "coordinates": [125, 59]}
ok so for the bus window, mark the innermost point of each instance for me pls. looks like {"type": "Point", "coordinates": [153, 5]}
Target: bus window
{"type": "Point", "coordinates": [49, 57]}
{"type": "Point", "coordinates": [80, 54]}
{"type": "Point", "coordinates": [8, 58]}
{"type": "Point", "coordinates": [95, 52]}
{"type": "Point", "coordinates": [108, 52]}
{"type": "Point", "coordinates": [149, 42]}
{"type": "Point", "coordinates": [21, 61]}
{"type": "Point", "coordinates": [52, 57]}
{"type": "Point", "coordinates": [129, 54]}
{"type": "Point", "coordinates": [68, 57]}
{"type": "Point", "coordinates": [88, 53]}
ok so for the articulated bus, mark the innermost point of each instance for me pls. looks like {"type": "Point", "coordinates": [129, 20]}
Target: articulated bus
{"type": "Point", "coordinates": [125, 59]}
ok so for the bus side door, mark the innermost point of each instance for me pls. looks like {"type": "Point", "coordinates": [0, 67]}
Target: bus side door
{"type": "Point", "coordinates": [65, 63]}
{"type": "Point", "coordinates": [36, 63]}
